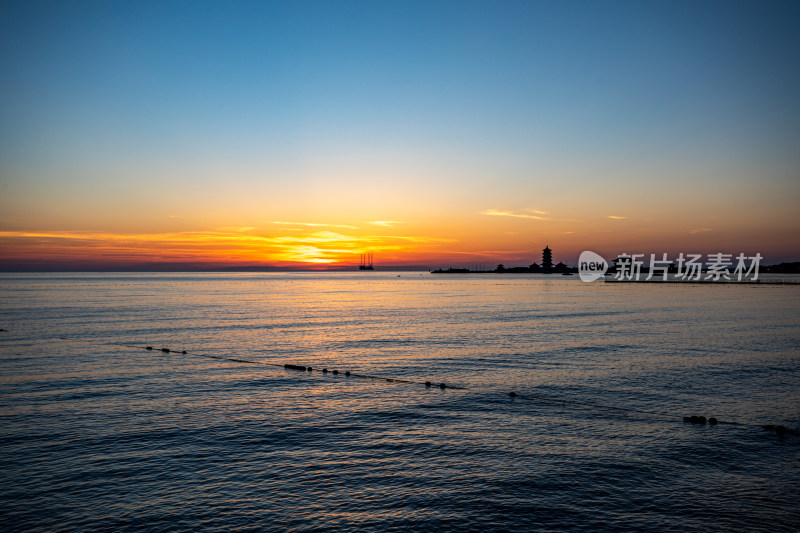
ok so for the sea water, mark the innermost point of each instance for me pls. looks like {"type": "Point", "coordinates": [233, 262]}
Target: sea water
{"type": "Point", "coordinates": [98, 433]}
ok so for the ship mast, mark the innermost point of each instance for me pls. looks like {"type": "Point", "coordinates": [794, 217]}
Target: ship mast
{"type": "Point", "coordinates": [366, 262]}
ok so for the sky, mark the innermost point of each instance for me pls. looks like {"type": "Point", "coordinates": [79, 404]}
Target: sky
{"type": "Point", "coordinates": [302, 134]}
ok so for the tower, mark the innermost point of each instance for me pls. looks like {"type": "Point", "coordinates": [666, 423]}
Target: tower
{"type": "Point", "coordinates": [547, 259]}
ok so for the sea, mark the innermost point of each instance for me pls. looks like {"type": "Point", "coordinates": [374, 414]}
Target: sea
{"type": "Point", "coordinates": [413, 402]}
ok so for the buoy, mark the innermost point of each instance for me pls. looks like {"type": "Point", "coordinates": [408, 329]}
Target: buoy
{"type": "Point", "coordinates": [427, 383]}
{"type": "Point", "coordinates": [149, 348]}
{"type": "Point", "coordinates": [294, 367]}
{"type": "Point", "coordinates": [512, 394]}
{"type": "Point", "coordinates": [309, 369]}
{"type": "Point", "coordinates": [712, 421]}
{"type": "Point", "coordinates": [165, 350]}
{"type": "Point", "coordinates": [442, 386]}
{"type": "Point", "coordinates": [335, 372]}
{"type": "Point", "coordinates": [324, 370]}
{"type": "Point", "coordinates": [183, 351]}
{"type": "Point", "coordinates": [347, 373]}
{"type": "Point", "coordinates": [780, 430]}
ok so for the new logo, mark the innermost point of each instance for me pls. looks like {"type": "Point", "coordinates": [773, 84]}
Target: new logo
{"type": "Point", "coordinates": [591, 266]}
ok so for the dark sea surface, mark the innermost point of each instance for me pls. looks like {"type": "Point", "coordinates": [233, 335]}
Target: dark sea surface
{"type": "Point", "coordinates": [98, 433]}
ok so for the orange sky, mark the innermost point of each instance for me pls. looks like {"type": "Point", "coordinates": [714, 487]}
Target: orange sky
{"type": "Point", "coordinates": [485, 237]}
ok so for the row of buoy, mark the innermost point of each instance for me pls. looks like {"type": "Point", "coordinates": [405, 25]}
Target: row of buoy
{"type": "Point", "coordinates": [694, 419]}
{"type": "Point", "coordinates": [302, 368]}
{"type": "Point", "coordinates": [165, 350]}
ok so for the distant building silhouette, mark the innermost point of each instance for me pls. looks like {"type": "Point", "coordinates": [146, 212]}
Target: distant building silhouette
{"type": "Point", "coordinates": [547, 260]}
{"type": "Point", "coordinates": [547, 267]}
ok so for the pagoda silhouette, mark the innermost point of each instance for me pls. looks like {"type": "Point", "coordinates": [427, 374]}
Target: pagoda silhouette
{"type": "Point", "coordinates": [547, 260]}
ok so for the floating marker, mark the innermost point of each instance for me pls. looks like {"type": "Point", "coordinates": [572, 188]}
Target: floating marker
{"type": "Point", "coordinates": [442, 386]}
{"type": "Point", "coordinates": [183, 352]}
{"type": "Point", "coordinates": [335, 372]}
{"type": "Point", "coordinates": [309, 369]}
{"type": "Point", "coordinates": [294, 367]}
{"type": "Point", "coordinates": [712, 421]}
{"type": "Point", "coordinates": [149, 348]}
{"type": "Point", "coordinates": [165, 350]}
{"type": "Point", "coordinates": [781, 430]}
{"type": "Point", "coordinates": [427, 383]}
{"type": "Point", "coordinates": [347, 373]}
{"type": "Point", "coordinates": [512, 394]}
{"type": "Point", "coordinates": [325, 370]}
{"type": "Point", "coordinates": [695, 419]}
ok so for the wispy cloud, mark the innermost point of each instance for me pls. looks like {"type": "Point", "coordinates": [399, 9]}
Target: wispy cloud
{"type": "Point", "coordinates": [700, 230]}
{"type": "Point", "coordinates": [529, 213]}
{"type": "Point", "coordinates": [386, 223]}
{"type": "Point", "coordinates": [615, 217]}
{"type": "Point", "coordinates": [316, 225]}
{"type": "Point", "coordinates": [223, 245]}
{"type": "Point", "coordinates": [240, 229]}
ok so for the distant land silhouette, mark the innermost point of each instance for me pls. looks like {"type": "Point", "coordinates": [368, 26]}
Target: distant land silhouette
{"type": "Point", "coordinates": [10, 265]}
{"type": "Point", "coordinates": [547, 267]}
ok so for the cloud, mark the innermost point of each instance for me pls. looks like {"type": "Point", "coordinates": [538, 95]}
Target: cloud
{"type": "Point", "coordinates": [315, 225]}
{"type": "Point", "coordinates": [223, 245]}
{"type": "Point", "coordinates": [615, 217]}
{"type": "Point", "coordinates": [241, 229]}
{"type": "Point", "coordinates": [498, 213]}
{"type": "Point", "coordinates": [699, 230]}
{"type": "Point", "coordinates": [387, 223]}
